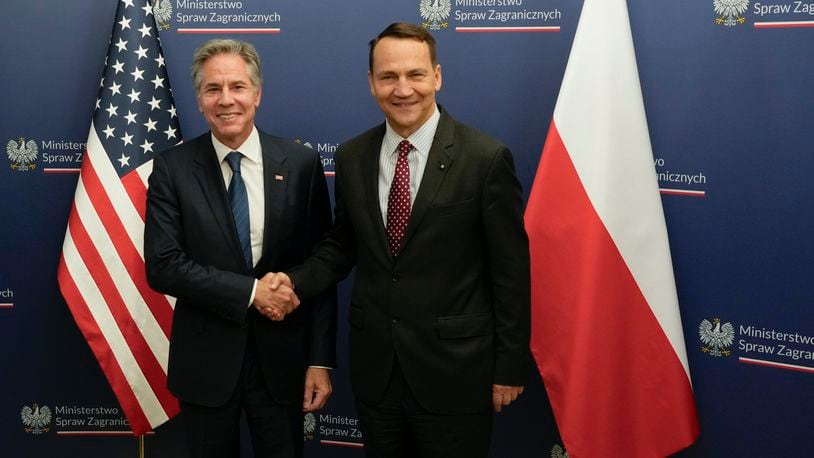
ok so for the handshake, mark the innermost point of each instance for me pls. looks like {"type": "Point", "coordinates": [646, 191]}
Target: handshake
{"type": "Point", "coordinates": [274, 297]}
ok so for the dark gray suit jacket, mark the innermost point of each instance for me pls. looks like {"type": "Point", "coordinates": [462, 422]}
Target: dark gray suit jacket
{"type": "Point", "coordinates": [453, 307]}
{"type": "Point", "coordinates": [192, 252]}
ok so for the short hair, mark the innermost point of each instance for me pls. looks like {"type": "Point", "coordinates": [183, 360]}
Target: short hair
{"type": "Point", "coordinates": [404, 30]}
{"type": "Point", "coordinates": [217, 46]}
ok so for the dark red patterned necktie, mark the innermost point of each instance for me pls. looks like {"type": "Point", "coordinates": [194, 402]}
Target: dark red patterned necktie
{"type": "Point", "coordinates": [398, 202]}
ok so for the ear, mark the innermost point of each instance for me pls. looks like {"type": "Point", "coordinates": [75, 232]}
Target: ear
{"type": "Point", "coordinates": [437, 77]}
{"type": "Point", "coordinates": [258, 97]}
{"type": "Point", "coordinates": [370, 82]}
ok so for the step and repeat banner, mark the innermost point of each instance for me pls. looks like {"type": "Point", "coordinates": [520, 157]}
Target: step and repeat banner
{"type": "Point", "coordinates": [728, 87]}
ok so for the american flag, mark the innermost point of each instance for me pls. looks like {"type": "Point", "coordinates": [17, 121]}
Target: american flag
{"type": "Point", "coordinates": [101, 272]}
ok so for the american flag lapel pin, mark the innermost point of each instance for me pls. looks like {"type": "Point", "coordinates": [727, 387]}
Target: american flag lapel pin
{"type": "Point", "coordinates": [278, 178]}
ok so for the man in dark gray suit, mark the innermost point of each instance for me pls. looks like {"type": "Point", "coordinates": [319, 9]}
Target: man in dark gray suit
{"type": "Point", "coordinates": [223, 210]}
{"type": "Point", "coordinates": [430, 213]}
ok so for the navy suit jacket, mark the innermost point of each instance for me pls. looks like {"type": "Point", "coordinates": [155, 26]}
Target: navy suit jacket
{"type": "Point", "coordinates": [192, 252]}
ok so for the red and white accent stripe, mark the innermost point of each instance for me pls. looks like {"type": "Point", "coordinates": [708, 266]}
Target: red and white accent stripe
{"type": "Point", "coordinates": [102, 277]}
{"type": "Point", "coordinates": [219, 31]}
{"type": "Point", "coordinates": [606, 329]}
{"type": "Point", "coordinates": [538, 29]}
{"type": "Point", "coordinates": [783, 24]}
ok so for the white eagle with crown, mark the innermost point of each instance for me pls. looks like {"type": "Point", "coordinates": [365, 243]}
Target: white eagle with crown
{"type": "Point", "coordinates": [435, 12]}
{"type": "Point", "coordinates": [23, 156]}
{"type": "Point", "coordinates": [37, 419]}
{"type": "Point", "coordinates": [730, 11]}
{"type": "Point", "coordinates": [716, 337]}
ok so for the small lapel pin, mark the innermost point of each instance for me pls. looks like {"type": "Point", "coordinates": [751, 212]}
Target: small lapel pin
{"type": "Point", "coordinates": [278, 177]}
{"type": "Point", "coordinates": [442, 166]}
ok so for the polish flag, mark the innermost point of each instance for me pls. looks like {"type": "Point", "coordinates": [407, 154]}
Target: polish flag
{"type": "Point", "coordinates": [606, 328]}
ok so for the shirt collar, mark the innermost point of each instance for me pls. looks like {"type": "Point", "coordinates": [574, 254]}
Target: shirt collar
{"type": "Point", "coordinates": [421, 139]}
{"type": "Point", "coordinates": [249, 149]}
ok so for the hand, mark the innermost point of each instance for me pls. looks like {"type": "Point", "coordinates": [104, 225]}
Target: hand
{"type": "Point", "coordinates": [275, 279]}
{"type": "Point", "coordinates": [275, 303]}
{"type": "Point", "coordinates": [503, 395]}
{"type": "Point", "coordinates": [317, 389]}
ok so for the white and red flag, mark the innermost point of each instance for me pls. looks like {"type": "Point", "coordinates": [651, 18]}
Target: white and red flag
{"type": "Point", "coordinates": [606, 328]}
{"type": "Point", "coordinates": [101, 273]}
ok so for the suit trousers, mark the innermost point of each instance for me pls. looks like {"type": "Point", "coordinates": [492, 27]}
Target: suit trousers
{"type": "Point", "coordinates": [399, 427]}
{"type": "Point", "coordinates": [276, 429]}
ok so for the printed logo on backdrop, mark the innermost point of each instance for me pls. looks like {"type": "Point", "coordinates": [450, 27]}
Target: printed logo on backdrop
{"type": "Point", "coordinates": [689, 183]}
{"type": "Point", "coordinates": [36, 418]}
{"type": "Point", "coordinates": [6, 295]}
{"type": "Point", "coordinates": [22, 156]}
{"type": "Point", "coordinates": [558, 452]}
{"type": "Point", "coordinates": [221, 16]}
{"type": "Point", "coordinates": [162, 11]}
{"type": "Point", "coordinates": [326, 152]}
{"type": "Point", "coordinates": [309, 426]}
{"type": "Point", "coordinates": [332, 430]}
{"type": "Point", "coordinates": [729, 12]}
{"type": "Point", "coordinates": [480, 16]}
{"type": "Point", "coordinates": [716, 338]}
{"type": "Point", "coordinates": [55, 156]}
{"type": "Point", "coordinates": [758, 345]}
{"type": "Point", "coordinates": [435, 13]}
{"type": "Point", "coordinates": [771, 15]}
{"type": "Point", "coordinates": [74, 420]}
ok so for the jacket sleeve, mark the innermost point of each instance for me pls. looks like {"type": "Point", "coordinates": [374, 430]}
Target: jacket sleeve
{"type": "Point", "coordinates": [322, 308]}
{"type": "Point", "coordinates": [508, 256]}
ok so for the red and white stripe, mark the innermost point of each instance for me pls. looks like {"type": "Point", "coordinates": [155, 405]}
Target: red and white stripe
{"type": "Point", "coordinates": [102, 277]}
{"type": "Point", "coordinates": [606, 329]}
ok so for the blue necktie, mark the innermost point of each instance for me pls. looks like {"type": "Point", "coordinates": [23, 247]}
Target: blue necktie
{"type": "Point", "coordinates": [239, 200]}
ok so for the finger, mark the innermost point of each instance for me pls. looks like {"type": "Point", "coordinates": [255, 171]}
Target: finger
{"type": "Point", "coordinates": [319, 400]}
{"type": "Point", "coordinates": [307, 397]}
{"type": "Point", "coordinates": [497, 403]}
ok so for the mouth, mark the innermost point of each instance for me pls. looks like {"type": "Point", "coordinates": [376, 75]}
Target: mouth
{"type": "Point", "coordinates": [227, 116]}
{"type": "Point", "coordinates": [404, 104]}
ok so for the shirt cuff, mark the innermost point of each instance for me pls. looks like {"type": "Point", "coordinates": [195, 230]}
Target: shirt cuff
{"type": "Point", "coordinates": [254, 290]}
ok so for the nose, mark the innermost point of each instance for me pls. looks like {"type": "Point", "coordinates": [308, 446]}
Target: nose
{"type": "Point", "coordinates": [403, 88]}
{"type": "Point", "coordinates": [225, 97]}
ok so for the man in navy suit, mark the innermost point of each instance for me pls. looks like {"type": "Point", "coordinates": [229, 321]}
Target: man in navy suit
{"type": "Point", "coordinates": [430, 213]}
{"type": "Point", "coordinates": [223, 210]}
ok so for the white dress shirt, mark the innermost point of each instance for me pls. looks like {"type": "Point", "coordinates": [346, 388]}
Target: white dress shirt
{"type": "Point", "coordinates": [421, 140]}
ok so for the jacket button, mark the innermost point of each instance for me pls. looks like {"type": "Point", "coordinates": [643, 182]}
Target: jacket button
{"type": "Point", "coordinates": [395, 320]}
{"type": "Point", "coordinates": [395, 279]}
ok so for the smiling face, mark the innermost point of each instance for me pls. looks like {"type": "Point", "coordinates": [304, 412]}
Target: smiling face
{"type": "Point", "coordinates": [227, 98]}
{"type": "Point", "coordinates": [404, 80]}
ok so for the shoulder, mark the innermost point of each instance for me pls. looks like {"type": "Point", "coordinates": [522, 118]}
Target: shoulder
{"type": "Point", "coordinates": [283, 149]}
{"type": "Point", "coordinates": [471, 139]}
{"type": "Point", "coordinates": [371, 138]}
{"type": "Point", "coordinates": [186, 151]}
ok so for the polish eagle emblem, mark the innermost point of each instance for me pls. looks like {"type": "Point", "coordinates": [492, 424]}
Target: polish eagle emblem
{"type": "Point", "coordinates": [435, 13]}
{"type": "Point", "coordinates": [37, 419]}
{"type": "Point", "coordinates": [162, 11]}
{"type": "Point", "coordinates": [22, 156]}
{"type": "Point", "coordinates": [729, 11]}
{"type": "Point", "coordinates": [309, 425]}
{"type": "Point", "coordinates": [716, 337]}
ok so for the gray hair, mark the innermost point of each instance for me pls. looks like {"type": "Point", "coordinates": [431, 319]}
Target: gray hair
{"type": "Point", "coordinates": [214, 47]}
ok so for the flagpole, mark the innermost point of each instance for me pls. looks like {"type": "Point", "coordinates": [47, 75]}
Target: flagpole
{"type": "Point", "coordinates": [141, 446]}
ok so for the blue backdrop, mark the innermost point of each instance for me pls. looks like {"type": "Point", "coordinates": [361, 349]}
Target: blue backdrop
{"type": "Point", "coordinates": [730, 116]}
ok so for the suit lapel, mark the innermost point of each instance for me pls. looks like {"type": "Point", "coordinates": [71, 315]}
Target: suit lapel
{"type": "Point", "coordinates": [210, 178]}
{"type": "Point", "coordinates": [275, 184]}
{"type": "Point", "coordinates": [370, 174]}
{"type": "Point", "coordinates": [439, 161]}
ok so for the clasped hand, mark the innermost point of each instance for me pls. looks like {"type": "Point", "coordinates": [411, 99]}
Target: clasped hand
{"type": "Point", "coordinates": [274, 297]}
